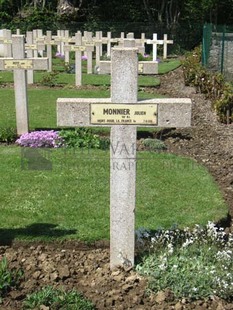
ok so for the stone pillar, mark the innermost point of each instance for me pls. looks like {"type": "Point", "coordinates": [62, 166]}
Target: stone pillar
{"type": "Point", "coordinates": [20, 85]}
{"type": "Point", "coordinates": [29, 39]}
{"type": "Point", "coordinates": [49, 48]}
{"type": "Point", "coordinates": [78, 60]}
{"type": "Point", "coordinates": [123, 161]}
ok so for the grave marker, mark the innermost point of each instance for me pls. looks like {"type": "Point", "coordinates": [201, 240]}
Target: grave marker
{"type": "Point", "coordinates": [6, 41]}
{"type": "Point", "coordinates": [29, 47]}
{"type": "Point", "coordinates": [19, 64]}
{"type": "Point", "coordinates": [89, 44]}
{"type": "Point", "coordinates": [58, 39]}
{"type": "Point", "coordinates": [98, 46]}
{"type": "Point", "coordinates": [37, 35]}
{"type": "Point", "coordinates": [109, 37]}
{"type": "Point", "coordinates": [123, 112]}
{"type": "Point", "coordinates": [140, 43]}
{"type": "Point", "coordinates": [154, 42]}
{"type": "Point", "coordinates": [165, 43]}
{"type": "Point", "coordinates": [32, 47]}
{"type": "Point", "coordinates": [109, 41]}
{"type": "Point", "coordinates": [78, 48]}
{"type": "Point", "coordinates": [121, 40]}
{"type": "Point", "coordinates": [48, 41]}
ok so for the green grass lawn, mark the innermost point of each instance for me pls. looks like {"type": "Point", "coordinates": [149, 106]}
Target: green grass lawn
{"type": "Point", "coordinates": [64, 78]}
{"type": "Point", "coordinates": [42, 104]}
{"type": "Point", "coordinates": [168, 65]}
{"type": "Point", "coordinates": [71, 201]}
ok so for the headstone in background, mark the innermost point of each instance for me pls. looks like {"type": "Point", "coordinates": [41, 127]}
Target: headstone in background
{"type": "Point", "coordinates": [144, 67]}
{"type": "Point", "coordinates": [89, 44]}
{"type": "Point", "coordinates": [19, 65]}
{"type": "Point", "coordinates": [98, 46]}
{"type": "Point", "coordinates": [155, 42]}
{"type": "Point", "coordinates": [140, 44]}
{"type": "Point", "coordinates": [165, 43]}
{"type": "Point", "coordinates": [66, 40]}
{"type": "Point", "coordinates": [5, 43]}
{"type": "Point", "coordinates": [29, 47]}
{"type": "Point", "coordinates": [78, 48]}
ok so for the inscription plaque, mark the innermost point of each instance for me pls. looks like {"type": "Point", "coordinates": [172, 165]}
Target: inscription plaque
{"type": "Point", "coordinates": [18, 64]}
{"type": "Point", "coordinates": [77, 48]}
{"type": "Point", "coordinates": [121, 114]}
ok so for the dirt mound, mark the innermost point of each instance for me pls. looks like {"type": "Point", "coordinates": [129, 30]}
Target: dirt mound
{"type": "Point", "coordinates": [207, 141]}
{"type": "Point", "coordinates": [86, 269]}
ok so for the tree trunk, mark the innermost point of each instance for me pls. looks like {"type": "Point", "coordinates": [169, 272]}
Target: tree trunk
{"type": "Point", "coordinates": [148, 12]}
{"type": "Point", "coordinates": [65, 7]}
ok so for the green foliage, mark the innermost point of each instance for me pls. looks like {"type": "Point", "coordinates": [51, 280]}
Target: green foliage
{"type": "Point", "coordinates": [105, 57]}
{"type": "Point", "coordinates": [211, 84]}
{"type": "Point", "coordinates": [49, 79]}
{"type": "Point", "coordinates": [8, 134]}
{"type": "Point", "coordinates": [154, 144]}
{"type": "Point", "coordinates": [57, 299]}
{"type": "Point", "coordinates": [80, 138]}
{"type": "Point", "coordinates": [34, 19]}
{"type": "Point", "coordinates": [144, 57]}
{"type": "Point", "coordinates": [168, 65]}
{"type": "Point", "coordinates": [8, 278]}
{"type": "Point", "coordinates": [194, 264]}
{"type": "Point", "coordinates": [104, 143]}
{"type": "Point", "coordinates": [191, 64]}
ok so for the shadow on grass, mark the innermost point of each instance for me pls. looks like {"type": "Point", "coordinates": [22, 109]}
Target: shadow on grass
{"type": "Point", "coordinates": [36, 230]}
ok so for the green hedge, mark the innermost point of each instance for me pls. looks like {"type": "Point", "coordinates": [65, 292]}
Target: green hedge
{"type": "Point", "coordinates": [213, 85]}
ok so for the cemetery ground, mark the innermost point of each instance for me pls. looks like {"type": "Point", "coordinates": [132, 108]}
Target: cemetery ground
{"type": "Point", "coordinates": [83, 265]}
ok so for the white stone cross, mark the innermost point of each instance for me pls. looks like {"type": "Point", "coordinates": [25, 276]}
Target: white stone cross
{"type": "Point", "coordinates": [48, 41]}
{"type": "Point", "coordinates": [37, 35]}
{"type": "Point", "coordinates": [140, 43]}
{"type": "Point", "coordinates": [123, 113]}
{"type": "Point", "coordinates": [165, 43]}
{"type": "Point", "coordinates": [7, 43]}
{"type": "Point", "coordinates": [78, 48]}
{"type": "Point", "coordinates": [155, 42]}
{"type": "Point", "coordinates": [31, 48]}
{"type": "Point", "coordinates": [19, 64]}
{"type": "Point", "coordinates": [90, 47]}
{"type": "Point", "coordinates": [60, 40]}
{"type": "Point", "coordinates": [98, 47]}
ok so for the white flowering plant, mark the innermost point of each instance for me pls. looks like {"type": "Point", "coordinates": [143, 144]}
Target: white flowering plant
{"type": "Point", "coordinates": [194, 264]}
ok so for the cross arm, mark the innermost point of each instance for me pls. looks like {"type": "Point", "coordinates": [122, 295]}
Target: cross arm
{"type": "Point", "coordinates": [171, 112]}
{"type": "Point", "coordinates": [25, 63]}
{"type": "Point", "coordinates": [76, 111]}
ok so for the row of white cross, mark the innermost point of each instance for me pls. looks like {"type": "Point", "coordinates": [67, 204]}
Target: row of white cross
{"type": "Point", "coordinates": [37, 41]}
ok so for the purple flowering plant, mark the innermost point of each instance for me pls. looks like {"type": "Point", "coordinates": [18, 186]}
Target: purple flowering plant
{"type": "Point", "coordinates": [144, 57]}
{"type": "Point", "coordinates": [84, 57]}
{"type": "Point", "coordinates": [59, 55]}
{"type": "Point", "coordinates": [43, 138]}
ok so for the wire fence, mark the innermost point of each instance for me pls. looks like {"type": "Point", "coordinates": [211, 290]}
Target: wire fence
{"type": "Point", "coordinates": [217, 49]}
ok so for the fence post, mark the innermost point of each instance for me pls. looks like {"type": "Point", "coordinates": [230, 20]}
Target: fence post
{"type": "Point", "coordinates": [223, 47]}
